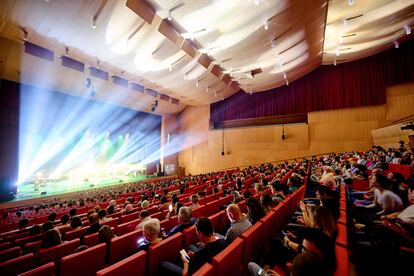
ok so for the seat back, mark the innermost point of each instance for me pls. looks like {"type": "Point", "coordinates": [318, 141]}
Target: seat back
{"type": "Point", "coordinates": [129, 217]}
{"type": "Point", "coordinates": [189, 236]}
{"type": "Point", "coordinates": [199, 212]}
{"type": "Point", "coordinates": [216, 221]}
{"type": "Point", "coordinates": [206, 270]}
{"type": "Point", "coordinates": [9, 253]}
{"type": "Point", "coordinates": [84, 263]}
{"type": "Point", "coordinates": [213, 207]}
{"type": "Point", "coordinates": [71, 235]}
{"type": "Point", "coordinates": [342, 238]}
{"type": "Point", "coordinates": [229, 261]}
{"type": "Point", "coordinates": [91, 240]}
{"type": "Point", "coordinates": [17, 265]}
{"type": "Point", "coordinates": [47, 269]}
{"type": "Point", "coordinates": [54, 253]}
{"type": "Point", "coordinates": [111, 223]}
{"type": "Point", "coordinates": [252, 242]}
{"type": "Point", "coordinates": [123, 246]}
{"type": "Point", "coordinates": [268, 224]}
{"type": "Point", "coordinates": [127, 227]}
{"type": "Point", "coordinates": [133, 265]}
{"type": "Point", "coordinates": [166, 250]}
{"type": "Point", "coordinates": [342, 263]}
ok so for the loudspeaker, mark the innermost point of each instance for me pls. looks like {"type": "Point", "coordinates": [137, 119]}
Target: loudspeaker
{"type": "Point", "coordinates": [222, 153]}
{"type": "Point", "coordinates": [43, 193]}
{"type": "Point", "coordinates": [6, 192]}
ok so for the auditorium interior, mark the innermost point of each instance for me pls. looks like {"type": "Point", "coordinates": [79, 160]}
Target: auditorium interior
{"type": "Point", "coordinates": [206, 137]}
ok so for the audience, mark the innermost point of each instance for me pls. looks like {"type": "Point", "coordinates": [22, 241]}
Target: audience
{"type": "Point", "coordinates": [239, 222]}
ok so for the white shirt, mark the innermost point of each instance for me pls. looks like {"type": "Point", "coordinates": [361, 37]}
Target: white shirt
{"type": "Point", "coordinates": [389, 201]}
{"type": "Point", "coordinates": [407, 215]}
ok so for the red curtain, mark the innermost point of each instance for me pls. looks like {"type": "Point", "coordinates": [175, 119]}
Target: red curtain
{"type": "Point", "coordinates": [353, 84]}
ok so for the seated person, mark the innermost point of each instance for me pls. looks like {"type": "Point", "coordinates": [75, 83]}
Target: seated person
{"type": "Point", "coordinates": [94, 225]}
{"type": "Point", "coordinates": [185, 220]}
{"type": "Point", "coordinates": [51, 238]}
{"type": "Point", "coordinates": [239, 222]}
{"type": "Point", "coordinates": [76, 223]}
{"type": "Point", "coordinates": [194, 201]}
{"type": "Point", "coordinates": [151, 230]}
{"type": "Point", "coordinates": [144, 216]}
{"type": "Point", "coordinates": [210, 246]}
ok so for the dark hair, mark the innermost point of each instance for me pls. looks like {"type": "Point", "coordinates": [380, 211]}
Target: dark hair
{"type": "Point", "coordinates": [51, 217]}
{"type": "Point", "coordinates": [47, 226]}
{"type": "Point", "coordinates": [102, 213]}
{"type": "Point", "coordinates": [382, 181]}
{"type": "Point", "coordinates": [144, 214]}
{"type": "Point", "coordinates": [64, 219]}
{"type": "Point", "coordinates": [73, 212]}
{"type": "Point", "coordinates": [76, 222]}
{"type": "Point", "coordinates": [204, 226]}
{"type": "Point", "coordinates": [50, 238]}
{"type": "Point", "coordinates": [163, 200]}
{"type": "Point", "coordinates": [255, 210]}
{"type": "Point", "coordinates": [111, 209]}
{"type": "Point", "coordinates": [35, 229]}
{"type": "Point", "coordinates": [23, 223]}
{"type": "Point", "coordinates": [105, 234]}
{"type": "Point", "coordinates": [306, 264]}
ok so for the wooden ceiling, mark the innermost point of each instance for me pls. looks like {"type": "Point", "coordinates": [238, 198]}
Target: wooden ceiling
{"type": "Point", "coordinates": [196, 51]}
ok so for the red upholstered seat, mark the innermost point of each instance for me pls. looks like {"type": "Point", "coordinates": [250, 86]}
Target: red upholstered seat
{"type": "Point", "coordinates": [44, 270]}
{"type": "Point", "coordinates": [166, 250]}
{"type": "Point", "coordinates": [111, 223]}
{"type": "Point", "coordinates": [199, 212]}
{"type": "Point", "coordinates": [130, 217]}
{"type": "Point", "coordinates": [84, 263]}
{"type": "Point", "coordinates": [342, 238]}
{"type": "Point", "coordinates": [216, 221]}
{"type": "Point", "coordinates": [91, 240]}
{"type": "Point", "coordinates": [54, 253]}
{"type": "Point", "coordinates": [17, 265]}
{"type": "Point", "coordinates": [9, 253]}
{"type": "Point", "coordinates": [252, 241]}
{"type": "Point", "coordinates": [269, 222]}
{"type": "Point", "coordinates": [133, 265]}
{"type": "Point", "coordinates": [213, 207]}
{"type": "Point", "coordinates": [124, 246]}
{"type": "Point", "coordinates": [342, 218]}
{"type": "Point", "coordinates": [342, 263]}
{"type": "Point", "coordinates": [206, 270]}
{"type": "Point", "coordinates": [189, 236]}
{"type": "Point", "coordinates": [127, 227]}
{"type": "Point", "coordinates": [71, 235]}
{"type": "Point", "coordinates": [31, 247]}
{"type": "Point", "coordinates": [229, 261]}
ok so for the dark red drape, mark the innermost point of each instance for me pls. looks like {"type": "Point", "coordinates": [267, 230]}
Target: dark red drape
{"type": "Point", "coordinates": [353, 84]}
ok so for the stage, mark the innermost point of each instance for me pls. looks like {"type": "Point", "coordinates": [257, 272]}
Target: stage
{"type": "Point", "coordinates": [29, 190]}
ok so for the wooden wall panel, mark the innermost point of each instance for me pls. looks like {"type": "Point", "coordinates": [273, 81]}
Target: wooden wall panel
{"type": "Point", "coordinates": [327, 131]}
{"type": "Point", "coordinates": [400, 101]}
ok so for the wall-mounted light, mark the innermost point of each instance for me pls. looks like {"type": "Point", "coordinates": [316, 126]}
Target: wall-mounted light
{"type": "Point", "coordinates": [396, 44]}
{"type": "Point", "coordinates": [407, 29]}
{"type": "Point", "coordinates": [266, 25]}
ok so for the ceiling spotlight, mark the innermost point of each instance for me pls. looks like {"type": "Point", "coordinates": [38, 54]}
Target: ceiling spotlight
{"type": "Point", "coordinates": [284, 76]}
{"type": "Point", "coordinates": [396, 44]}
{"type": "Point", "coordinates": [337, 52]}
{"type": "Point", "coordinates": [287, 82]}
{"type": "Point", "coordinates": [154, 106]}
{"type": "Point", "coordinates": [197, 83]}
{"type": "Point", "coordinates": [215, 94]}
{"type": "Point", "coordinates": [256, 2]}
{"type": "Point", "coordinates": [407, 29]}
{"type": "Point", "coordinates": [345, 22]}
{"type": "Point", "coordinates": [207, 89]}
{"type": "Point", "coordinates": [266, 25]}
{"type": "Point", "coordinates": [350, 2]}
{"type": "Point", "coordinates": [334, 61]}
{"type": "Point", "coordinates": [66, 51]}
{"type": "Point", "coordinates": [169, 16]}
{"type": "Point", "coordinates": [273, 44]}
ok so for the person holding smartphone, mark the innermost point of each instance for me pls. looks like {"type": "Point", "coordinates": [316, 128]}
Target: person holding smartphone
{"type": "Point", "coordinates": [197, 258]}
